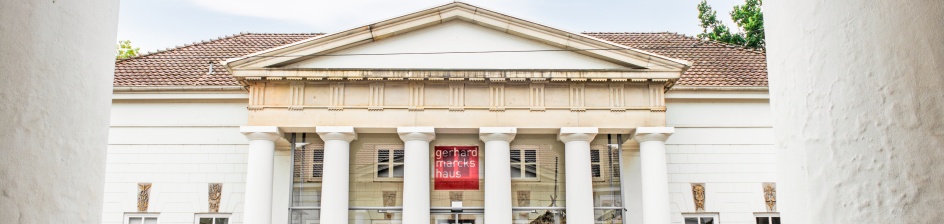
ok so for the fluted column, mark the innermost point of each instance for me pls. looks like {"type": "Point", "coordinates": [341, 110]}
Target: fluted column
{"type": "Point", "coordinates": [497, 172]}
{"type": "Point", "coordinates": [335, 185]}
{"type": "Point", "coordinates": [416, 172]}
{"type": "Point", "coordinates": [258, 206]}
{"type": "Point", "coordinates": [655, 181]}
{"type": "Point", "coordinates": [577, 170]}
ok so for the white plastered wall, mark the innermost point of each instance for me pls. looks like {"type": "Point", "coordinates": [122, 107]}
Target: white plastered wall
{"type": "Point", "coordinates": [180, 146]}
{"type": "Point", "coordinates": [721, 139]}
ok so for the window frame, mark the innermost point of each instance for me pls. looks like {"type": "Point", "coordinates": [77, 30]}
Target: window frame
{"type": "Point", "coordinates": [390, 162]}
{"type": "Point", "coordinates": [768, 215]}
{"type": "Point", "coordinates": [522, 151]}
{"type": "Point", "coordinates": [214, 216]}
{"type": "Point", "coordinates": [714, 215]}
{"type": "Point", "coordinates": [141, 215]}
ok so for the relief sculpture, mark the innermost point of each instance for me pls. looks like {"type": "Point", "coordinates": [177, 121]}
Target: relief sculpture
{"type": "Point", "coordinates": [216, 192]}
{"type": "Point", "coordinates": [770, 196]}
{"type": "Point", "coordinates": [698, 192]}
{"type": "Point", "coordinates": [144, 194]}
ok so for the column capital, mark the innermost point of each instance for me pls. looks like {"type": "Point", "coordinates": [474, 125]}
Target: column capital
{"type": "Point", "coordinates": [270, 133]}
{"type": "Point", "coordinates": [343, 133]}
{"type": "Point", "coordinates": [569, 134]}
{"type": "Point", "coordinates": [426, 134]}
{"type": "Point", "coordinates": [645, 134]}
{"type": "Point", "coordinates": [507, 134]}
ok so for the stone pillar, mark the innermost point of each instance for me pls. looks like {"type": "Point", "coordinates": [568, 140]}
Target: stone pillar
{"type": "Point", "coordinates": [416, 172]}
{"type": "Point", "coordinates": [655, 180]}
{"type": "Point", "coordinates": [577, 172]}
{"type": "Point", "coordinates": [55, 108]}
{"type": "Point", "coordinates": [259, 167]}
{"type": "Point", "coordinates": [335, 181]}
{"type": "Point", "coordinates": [497, 172]}
{"type": "Point", "coordinates": [858, 109]}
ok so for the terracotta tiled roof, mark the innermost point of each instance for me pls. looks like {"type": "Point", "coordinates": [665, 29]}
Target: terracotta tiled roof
{"type": "Point", "coordinates": [714, 64]}
{"type": "Point", "coordinates": [188, 65]}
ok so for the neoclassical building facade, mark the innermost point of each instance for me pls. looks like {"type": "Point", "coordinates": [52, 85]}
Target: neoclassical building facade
{"type": "Point", "coordinates": [454, 114]}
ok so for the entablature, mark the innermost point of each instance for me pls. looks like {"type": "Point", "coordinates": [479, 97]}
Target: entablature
{"type": "Point", "coordinates": [457, 75]}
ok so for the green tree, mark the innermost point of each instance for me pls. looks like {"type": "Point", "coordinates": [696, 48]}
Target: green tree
{"type": "Point", "coordinates": [748, 17]}
{"type": "Point", "coordinates": [751, 20]}
{"type": "Point", "coordinates": [125, 50]}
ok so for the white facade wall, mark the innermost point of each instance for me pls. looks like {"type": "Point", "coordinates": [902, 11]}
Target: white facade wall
{"type": "Point", "coordinates": [722, 140]}
{"type": "Point", "coordinates": [725, 140]}
{"type": "Point", "coordinates": [180, 146]}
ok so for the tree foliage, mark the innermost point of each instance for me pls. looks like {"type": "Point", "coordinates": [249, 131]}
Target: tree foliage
{"type": "Point", "coordinates": [748, 17]}
{"type": "Point", "coordinates": [125, 50]}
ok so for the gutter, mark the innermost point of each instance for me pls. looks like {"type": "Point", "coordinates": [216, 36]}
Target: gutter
{"type": "Point", "coordinates": [176, 88]}
{"type": "Point", "coordinates": [721, 88]}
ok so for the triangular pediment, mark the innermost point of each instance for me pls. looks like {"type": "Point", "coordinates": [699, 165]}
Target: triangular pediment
{"type": "Point", "coordinates": [456, 36]}
{"type": "Point", "coordinates": [455, 45]}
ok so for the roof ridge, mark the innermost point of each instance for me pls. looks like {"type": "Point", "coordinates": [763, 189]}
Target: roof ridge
{"type": "Point", "coordinates": [736, 47]}
{"type": "Point", "coordinates": [178, 47]}
{"type": "Point", "coordinates": [643, 32]}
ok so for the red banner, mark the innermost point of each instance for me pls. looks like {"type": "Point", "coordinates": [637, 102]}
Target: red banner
{"type": "Point", "coordinates": [457, 167]}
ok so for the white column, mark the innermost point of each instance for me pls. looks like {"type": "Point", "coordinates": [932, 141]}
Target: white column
{"type": "Point", "coordinates": [258, 202]}
{"type": "Point", "coordinates": [497, 172]}
{"type": "Point", "coordinates": [857, 110]}
{"type": "Point", "coordinates": [55, 112]}
{"type": "Point", "coordinates": [579, 183]}
{"type": "Point", "coordinates": [655, 181]}
{"type": "Point", "coordinates": [335, 180]}
{"type": "Point", "coordinates": [416, 172]}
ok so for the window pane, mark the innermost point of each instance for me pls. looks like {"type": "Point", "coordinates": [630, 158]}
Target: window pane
{"type": "Point", "coordinates": [707, 220]}
{"type": "Point", "coordinates": [383, 170]}
{"type": "Point", "coordinates": [135, 220]}
{"type": "Point", "coordinates": [530, 156]}
{"type": "Point", "coordinates": [316, 170]}
{"type": "Point", "coordinates": [595, 170]}
{"type": "Point", "coordinates": [531, 171]}
{"type": "Point", "coordinates": [206, 220]}
{"type": "Point", "coordinates": [515, 156]}
{"type": "Point", "coordinates": [774, 220]}
{"type": "Point", "coordinates": [595, 156]}
{"type": "Point", "coordinates": [318, 156]}
{"type": "Point", "coordinates": [150, 220]}
{"type": "Point", "coordinates": [691, 220]}
{"type": "Point", "coordinates": [515, 170]}
{"type": "Point", "coordinates": [398, 156]}
{"type": "Point", "coordinates": [222, 221]}
{"type": "Point", "coordinates": [383, 156]}
{"type": "Point", "coordinates": [398, 170]}
{"type": "Point", "coordinates": [763, 220]}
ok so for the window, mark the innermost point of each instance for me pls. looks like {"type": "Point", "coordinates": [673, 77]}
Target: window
{"type": "Point", "coordinates": [211, 218]}
{"type": "Point", "coordinates": [701, 218]}
{"type": "Point", "coordinates": [390, 163]}
{"type": "Point", "coordinates": [595, 169]}
{"type": "Point", "coordinates": [317, 163]}
{"type": "Point", "coordinates": [309, 163]}
{"type": "Point", "coordinates": [524, 163]}
{"type": "Point", "coordinates": [767, 218]}
{"type": "Point", "coordinates": [141, 218]}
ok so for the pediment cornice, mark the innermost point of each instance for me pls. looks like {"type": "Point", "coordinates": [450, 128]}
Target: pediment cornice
{"type": "Point", "coordinates": [638, 63]}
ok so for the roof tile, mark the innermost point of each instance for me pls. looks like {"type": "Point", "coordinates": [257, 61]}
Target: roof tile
{"type": "Point", "coordinates": [714, 64]}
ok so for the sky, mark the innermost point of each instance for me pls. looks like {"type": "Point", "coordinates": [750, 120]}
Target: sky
{"type": "Point", "coordinates": [160, 24]}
